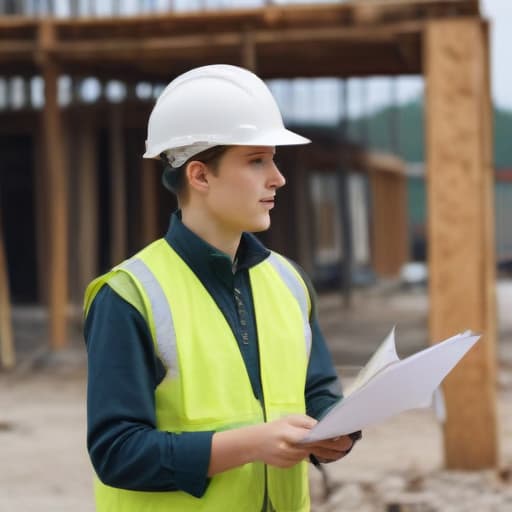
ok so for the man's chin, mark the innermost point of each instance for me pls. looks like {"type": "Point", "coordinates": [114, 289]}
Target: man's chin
{"type": "Point", "coordinates": [262, 226]}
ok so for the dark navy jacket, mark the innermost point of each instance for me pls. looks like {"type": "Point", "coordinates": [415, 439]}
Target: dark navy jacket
{"type": "Point", "coordinates": [125, 448]}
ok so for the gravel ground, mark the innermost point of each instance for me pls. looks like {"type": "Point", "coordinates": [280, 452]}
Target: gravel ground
{"type": "Point", "coordinates": [397, 467]}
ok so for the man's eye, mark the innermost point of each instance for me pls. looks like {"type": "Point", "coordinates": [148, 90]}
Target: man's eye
{"type": "Point", "coordinates": [257, 161]}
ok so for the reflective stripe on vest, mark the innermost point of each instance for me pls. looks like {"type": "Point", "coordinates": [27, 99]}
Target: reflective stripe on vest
{"type": "Point", "coordinates": [298, 291]}
{"type": "Point", "coordinates": [162, 316]}
{"type": "Point", "coordinates": [211, 390]}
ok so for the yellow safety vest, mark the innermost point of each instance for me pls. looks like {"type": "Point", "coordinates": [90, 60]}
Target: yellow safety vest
{"type": "Point", "coordinates": [207, 386]}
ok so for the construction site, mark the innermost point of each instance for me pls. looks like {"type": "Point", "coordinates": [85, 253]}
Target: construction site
{"type": "Point", "coordinates": [76, 198]}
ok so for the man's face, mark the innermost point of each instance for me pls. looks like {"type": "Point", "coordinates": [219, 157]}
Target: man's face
{"type": "Point", "coordinates": [242, 193]}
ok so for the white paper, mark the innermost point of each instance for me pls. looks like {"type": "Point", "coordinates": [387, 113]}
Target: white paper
{"type": "Point", "coordinates": [383, 356]}
{"type": "Point", "coordinates": [387, 385]}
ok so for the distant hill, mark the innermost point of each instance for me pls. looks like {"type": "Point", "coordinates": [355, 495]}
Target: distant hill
{"type": "Point", "coordinates": [411, 132]}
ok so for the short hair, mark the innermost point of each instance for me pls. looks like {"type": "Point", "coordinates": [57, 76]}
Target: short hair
{"type": "Point", "coordinates": [174, 179]}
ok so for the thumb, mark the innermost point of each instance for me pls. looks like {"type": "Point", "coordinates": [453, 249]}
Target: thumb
{"type": "Point", "coordinates": [302, 420]}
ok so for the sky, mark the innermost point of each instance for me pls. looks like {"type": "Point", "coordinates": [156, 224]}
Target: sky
{"type": "Point", "coordinates": [499, 13]}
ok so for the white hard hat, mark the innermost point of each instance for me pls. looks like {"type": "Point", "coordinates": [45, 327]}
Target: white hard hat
{"type": "Point", "coordinates": [216, 105]}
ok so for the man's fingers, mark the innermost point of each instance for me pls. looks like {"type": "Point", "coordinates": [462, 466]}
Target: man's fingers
{"type": "Point", "coordinates": [302, 421]}
{"type": "Point", "coordinates": [342, 443]}
{"type": "Point", "coordinates": [326, 454]}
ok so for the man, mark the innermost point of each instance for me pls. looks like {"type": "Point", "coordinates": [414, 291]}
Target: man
{"type": "Point", "coordinates": [206, 363]}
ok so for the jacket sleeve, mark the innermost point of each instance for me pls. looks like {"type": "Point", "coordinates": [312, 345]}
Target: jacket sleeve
{"type": "Point", "coordinates": [323, 387]}
{"type": "Point", "coordinates": [126, 449]}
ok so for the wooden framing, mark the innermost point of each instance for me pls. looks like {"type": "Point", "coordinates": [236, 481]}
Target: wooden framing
{"type": "Point", "coordinates": [88, 203]}
{"type": "Point", "coordinates": [389, 214]}
{"type": "Point", "coordinates": [149, 200]}
{"type": "Point", "coordinates": [461, 248]}
{"type": "Point", "coordinates": [118, 211]}
{"type": "Point", "coordinates": [41, 193]}
{"type": "Point", "coordinates": [445, 39]}
{"type": "Point", "coordinates": [349, 39]}
{"type": "Point", "coordinates": [57, 197]}
{"type": "Point", "coordinates": [7, 353]}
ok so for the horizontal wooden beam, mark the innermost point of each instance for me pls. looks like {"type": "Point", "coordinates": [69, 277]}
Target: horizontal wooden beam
{"type": "Point", "coordinates": [169, 43]}
{"type": "Point", "coordinates": [124, 48]}
{"type": "Point", "coordinates": [346, 14]}
{"type": "Point", "coordinates": [16, 49]}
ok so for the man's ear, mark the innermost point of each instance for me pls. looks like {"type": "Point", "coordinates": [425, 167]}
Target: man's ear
{"type": "Point", "coordinates": [197, 174]}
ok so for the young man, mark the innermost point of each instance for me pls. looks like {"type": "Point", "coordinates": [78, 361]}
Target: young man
{"type": "Point", "coordinates": [206, 363]}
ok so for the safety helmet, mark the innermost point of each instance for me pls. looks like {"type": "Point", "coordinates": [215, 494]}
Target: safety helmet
{"type": "Point", "coordinates": [216, 105]}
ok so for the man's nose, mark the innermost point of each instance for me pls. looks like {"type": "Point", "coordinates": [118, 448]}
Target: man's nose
{"type": "Point", "coordinates": [277, 179]}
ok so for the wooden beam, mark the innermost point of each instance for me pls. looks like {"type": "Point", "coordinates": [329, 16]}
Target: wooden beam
{"type": "Point", "coordinates": [57, 198]}
{"type": "Point", "coordinates": [487, 112]}
{"type": "Point", "coordinates": [42, 222]}
{"type": "Point", "coordinates": [346, 264]}
{"type": "Point", "coordinates": [249, 51]}
{"type": "Point", "coordinates": [88, 203]}
{"type": "Point", "coordinates": [7, 353]}
{"type": "Point", "coordinates": [123, 48]}
{"type": "Point", "coordinates": [118, 39]}
{"type": "Point", "coordinates": [303, 212]}
{"type": "Point", "coordinates": [118, 212]}
{"type": "Point", "coordinates": [461, 248]}
{"type": "Point", "coordinates": [389, 221]}
{"type": "Point", "coordinates": [149, 201]}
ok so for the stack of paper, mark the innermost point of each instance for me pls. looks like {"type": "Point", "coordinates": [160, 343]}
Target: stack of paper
{"type": "Point", "coordinates": [387, 385]}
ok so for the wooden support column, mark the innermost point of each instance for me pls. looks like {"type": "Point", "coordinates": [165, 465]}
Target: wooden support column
{"type": "Point", "coordinates": [88, 203]}
{"type": "Point", "coordinates": [42, 222]}
{"type": "Point", "coordinates": [118, 187]}
{"type": "Point", "coordinates": [149, 200]}
{"type": "Point", "coordinates": [249, 51]}
{"type": "Point", "coordinates": [303, 213]}
{"type": "Point", "coordinates": [7, 354]}
{"type": "Point", "coordinates": [461, 239]}
{"type": "Point", "coordinates": [346, 235]}
{"type": "Point", "coordinates": [57, 197]}
{"type": "Point", "coordinates": [389, 226]}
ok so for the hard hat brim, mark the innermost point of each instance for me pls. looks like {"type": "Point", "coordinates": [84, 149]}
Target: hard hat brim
{"type": "Point", "coordinates": [279, 137]}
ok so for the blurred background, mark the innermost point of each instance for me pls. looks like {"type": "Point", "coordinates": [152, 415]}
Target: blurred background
{"type": "Point", "coordinates": [400, 211]}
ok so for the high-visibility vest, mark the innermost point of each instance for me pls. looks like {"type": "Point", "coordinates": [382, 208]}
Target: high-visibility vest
{"type": "Point", "coordinates": [207, 386]}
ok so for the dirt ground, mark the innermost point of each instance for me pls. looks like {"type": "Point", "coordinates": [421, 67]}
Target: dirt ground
{"type": "Point", "coordinates": [44, 465]}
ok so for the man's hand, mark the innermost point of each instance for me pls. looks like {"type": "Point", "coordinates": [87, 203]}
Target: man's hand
{"type": "Point", "coordinates": [330, 450]}
{"type": "Point", "coordinates": [277, 442]}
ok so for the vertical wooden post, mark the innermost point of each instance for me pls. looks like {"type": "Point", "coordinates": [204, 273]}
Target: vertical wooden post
{"type": "Point", "coordinates": [303, 212]}
{"type": "Point", "coordinates": [7, 354]}
{"type": "Point", "coordinates": [149, 201]}
{"type": "Point", "coordinates": [249, 51]}
{"type": "Point", "coordinates": [118, 187]}
{"type": "Point", "coordinates": [88, 204]}
{"type": "Point", "coordinates": [57, 194]}
{"type": "Point", "coordinates": [461, 241]}
{"type": "Point", "coordinates": [347, 251]}
{"type": "Point", "coordinates": [42, 222]}
{"type": "Point", "coordinates": [389, 226]}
